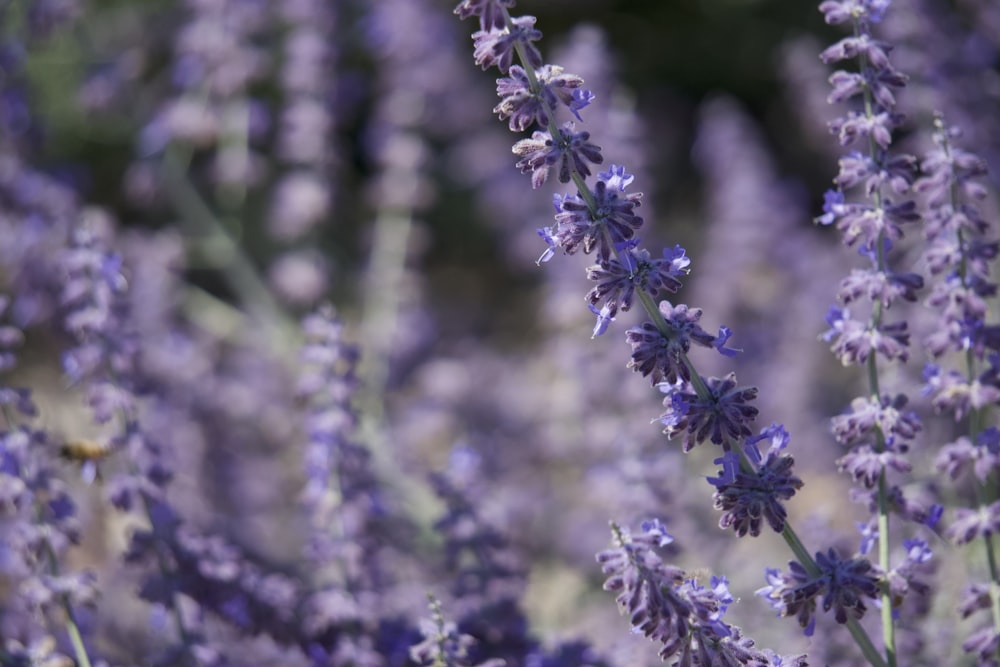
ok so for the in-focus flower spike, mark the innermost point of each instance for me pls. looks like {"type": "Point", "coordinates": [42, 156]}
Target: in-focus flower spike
{"type": "Point", "coordinates": [842, 583]}
{"type": "Point", "coordinates": [571, 151]}
{"type": "Point", "coordinates": [633, 268]}
{"type": "Point", "coordinates": [667, 606]}
{"type": "Point", "coordinates": [491, 13]}
{"type": "Point", "coordinates": [722, 417]}
{"type": "Point", "coordinates": [525, 107]}
{"type": "Point", "coordinates": [610, 222]}
{"type": "Point", "coordinates": [747, 496]}
{"type": "Point", "coordinates": [496, 46]}
{"type": "Point", "coordinates": [661, 355]}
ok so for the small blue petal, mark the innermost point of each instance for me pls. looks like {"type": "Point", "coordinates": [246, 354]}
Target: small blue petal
{"type": "Point", "coordinates": [917, 551]}
{"type": "Point", "coordinates": [581, 100]}
{"type": "Point", "coordinates": [934, 515]}
{"type": "Point", "coordinates": [833, 206]}
{"type": "Point", "coordinates": [616, 178]}
{"type": "Point", "coordinates": [730, 463]}
{"type": "Point", "coordinates": [654, 527]}
{"type": "Point", "coordinates": [550, 252]}
{"type": "Point", "coordinates": [725, 333]}
{"type": "Point", "coordinates": [604, 318]}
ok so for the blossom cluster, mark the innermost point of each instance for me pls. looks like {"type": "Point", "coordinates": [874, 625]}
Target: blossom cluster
{"type": "Point", "coordinates": [293, 338]}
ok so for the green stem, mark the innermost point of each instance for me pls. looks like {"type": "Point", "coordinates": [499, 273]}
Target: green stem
{"type": "Point", "coordinates": [888, 622]}
{"type": "Point", "coordinates": [799, 550]}
{"type": "Point", "coordinates": [72, 628]}
{"type": "Point", "coordinates": [82, 659]}
{"type": "Point", "coordinates": [223, 251]}
{"type": "Point", "coordinates": [383, 296]}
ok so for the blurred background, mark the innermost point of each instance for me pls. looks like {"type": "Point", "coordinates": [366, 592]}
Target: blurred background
{"type": "Point", "coordinates": [252, 159]}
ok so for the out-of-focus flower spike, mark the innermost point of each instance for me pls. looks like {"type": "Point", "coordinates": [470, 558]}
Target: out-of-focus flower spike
{"type": "Point", "coordinates": [491, 13]}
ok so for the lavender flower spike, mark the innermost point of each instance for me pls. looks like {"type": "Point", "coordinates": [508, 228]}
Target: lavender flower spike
{"type": "Point", "coordinates": [670, 608]}
{"type": "Point", "coordinates": [603, 219]}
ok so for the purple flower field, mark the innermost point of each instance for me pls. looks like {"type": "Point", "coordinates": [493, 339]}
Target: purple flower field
{"type": "Point", "coordinates": [385, 333]}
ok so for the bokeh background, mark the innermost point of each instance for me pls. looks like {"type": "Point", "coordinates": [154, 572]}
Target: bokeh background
{"type": "Point", "coordinates": [254, 158]}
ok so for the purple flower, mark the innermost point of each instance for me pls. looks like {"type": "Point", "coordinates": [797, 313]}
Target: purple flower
{"type": "Point", "coordinates": [841, 11]}
{"type": "Point", "coordinates": [883, 287]}
{"type": "Point", "coordinates": [855, 126]}
{"type": "Point", "coordinates": [484, 570]}
{"type": "Point", "coordinates": [885, 414]}
{"type": "Point", "coordinates": [633, 268]}
{"type": "Point", "coordinates": [833, 207]}
{"type": "Point", "coordinates": [984, 643]}
{"type": "Point", "coordinates": [725, 333]}
{"type": "Point", "coordinates": [869, 535]}
{"type": "Point", "coordinates": [869, 224]}
{"type": "Point", "coordinates": [842, 583]}
{"type": "Point", "coordinates": [605, 316]}
{"type": "Point", "coordinates": [876, 53]}
{"type": "Point", "coordinates": [654, 529]}
{"type": "Point", "coordinates": [856, 341]}
{"type": "Point", "coordinates": [550, 241]}
{"type": "Point", "coordinates": [952, 392]}
{"type": "Point", "coordinates": [747, 497]}
{"type": "Point", "coordinates": [866, 465]}
{"type": "Point", "coordinates": [958, 457]}
{"type": "Point", "coordinates": [670, 608]}
{"type": "Point", "coordinates": [895, 171]}
{"type": "Point", "coordinates": [340, 485]}
{"type": "Point", "coordinates": [970, 524]}
{"type": "Point", "coordinates": [722, 417]}
{"type": "Point", "coordinates": [523, 106]}
{"type": "Point", "coordinates": [571, 151]}
{"type": "Point", "coordinates": [491, 13]}
{"type": "Point", "coordinates": [661, 354]}
{"type": "Point", "coordinates": [581, 100]}
{"type": "Point", "coordinates": [609, 223]}
{"type": "Point", "coordinates": [496, 46]}
{"type": "Point", "coordinates": [443, 644]}
{"type": "Point", "coordinates": [949, 166]}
